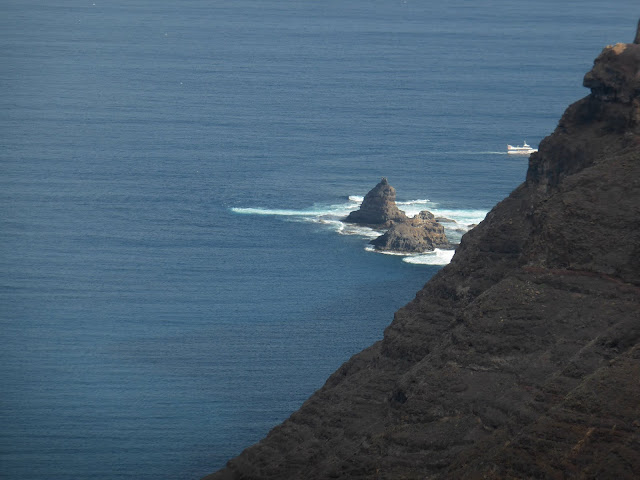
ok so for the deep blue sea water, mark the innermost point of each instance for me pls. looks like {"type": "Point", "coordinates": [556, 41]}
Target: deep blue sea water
{"type": "Point", "coordinates": [174, 277]}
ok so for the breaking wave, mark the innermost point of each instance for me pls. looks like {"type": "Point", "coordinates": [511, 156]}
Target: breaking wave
{"type": "Point", "coordinates": [455, 222]}
{"type": "Point", "coordinates": [437, 257]}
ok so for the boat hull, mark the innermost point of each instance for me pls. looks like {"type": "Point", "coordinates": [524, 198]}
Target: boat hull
{"type": "Point", "coordinates": [522, 152]}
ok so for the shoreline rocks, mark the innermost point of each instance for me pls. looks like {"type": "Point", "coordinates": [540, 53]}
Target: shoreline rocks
{"type": "Point", "coordinates": [421, 233]}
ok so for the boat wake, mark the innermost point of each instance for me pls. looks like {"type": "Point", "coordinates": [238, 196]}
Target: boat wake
{"type": "Point", "coordinates": [470, 153]}
{"type": "Point", "coordinates": [456, 223]}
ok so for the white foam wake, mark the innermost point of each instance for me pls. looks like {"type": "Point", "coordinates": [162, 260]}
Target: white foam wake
{"type": "Point", "coordinates": [502, 152]}
{"type": "Point", "coordinates": [332, 216]}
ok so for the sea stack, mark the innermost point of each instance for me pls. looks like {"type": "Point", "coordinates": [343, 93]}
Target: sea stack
{"type": "Point", "coordinates": [519, 359]}
{"type": "Point", "coordinates": [419, 234]}
{"type": "Point", "coordinates": [378, 208]}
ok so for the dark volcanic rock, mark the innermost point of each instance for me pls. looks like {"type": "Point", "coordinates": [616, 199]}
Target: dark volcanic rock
{"type": "Point", "coordinates": [521, 358]}
{"type": "Point", "coordinates": [418, 234]}
{"type": "Point", "coordinates": [614, 76]}
{"type": "Point", "coordinates": [378, 208]}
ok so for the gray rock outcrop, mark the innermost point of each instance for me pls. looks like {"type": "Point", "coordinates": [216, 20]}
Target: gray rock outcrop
{"type": "Point", "coordinates": [378, 209]}
{"type": "Point", "coordinates": [415, 235]}
{"type": "Point", "coordinates": [404, 235]}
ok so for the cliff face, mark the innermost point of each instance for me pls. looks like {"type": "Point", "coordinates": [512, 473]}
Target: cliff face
{"type": "Point", "coordinates": [520, 359]}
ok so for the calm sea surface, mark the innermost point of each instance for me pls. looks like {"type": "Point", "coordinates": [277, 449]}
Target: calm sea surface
{"type": "Point", "coordinates": [174, 277]}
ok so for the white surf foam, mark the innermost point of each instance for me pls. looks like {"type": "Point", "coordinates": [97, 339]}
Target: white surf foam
{"type": "Point", "coordinates": [371, 248]}
{"type": "Point", "coordinates": [463, 218]}
{"type": "Point", "coordinates": [437, 257]}
{"type": "Point", "coordinates": [315, 212]}
{"type": "Point", "coordinates": [414, 207]}
{"type": "Point", "coordinates": [359, 230]}
{"type": "Point", "coordinates": [332, 216]}
{"type": "Point", "coordinates": [415, 202]}
{"type": "Point", "coordinates": [277, 212]}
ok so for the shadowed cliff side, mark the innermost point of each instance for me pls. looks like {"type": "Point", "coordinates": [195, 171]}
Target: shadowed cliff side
{"type": "Point", "coordinates": [521, 358]}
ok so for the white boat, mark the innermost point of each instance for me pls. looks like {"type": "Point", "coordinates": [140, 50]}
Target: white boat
{"type": "Point", "coordinates": [521, 150]}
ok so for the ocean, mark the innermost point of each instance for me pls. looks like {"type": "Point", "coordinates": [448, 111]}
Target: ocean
{"type": "Point", "coordinates": [175, 277]}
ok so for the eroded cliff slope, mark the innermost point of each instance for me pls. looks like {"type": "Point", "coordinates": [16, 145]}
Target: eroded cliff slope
{"type": "Point", "coordinates": [520, 359]}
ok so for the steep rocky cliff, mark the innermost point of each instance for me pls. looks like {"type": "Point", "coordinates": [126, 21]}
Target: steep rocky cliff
{"type": "Point", "coordinates": [520, 359]}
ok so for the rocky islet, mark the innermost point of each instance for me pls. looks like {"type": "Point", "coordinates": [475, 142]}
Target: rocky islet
{"type": "Point", "coordinates": [378, 208]}
{"type": "Point", "coordinates": [421, 233]}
